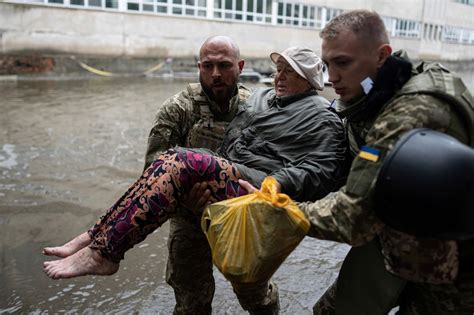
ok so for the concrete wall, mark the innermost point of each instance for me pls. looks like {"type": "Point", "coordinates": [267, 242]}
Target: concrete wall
{"type": "Point", "coordinates": [26, 28]}
{"type": "Point", "coordinates": [458, 14]}
{"type": "Point", "coordinates": [404, 9]}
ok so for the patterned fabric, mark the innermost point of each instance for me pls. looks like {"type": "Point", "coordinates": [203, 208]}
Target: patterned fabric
{"type": "Point", "coordinates": [437, 261]}
{"type": "Point", "coordinates": [149, 202]}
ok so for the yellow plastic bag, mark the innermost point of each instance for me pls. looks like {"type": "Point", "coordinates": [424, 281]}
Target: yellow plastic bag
{"type": "Point", "coordinates": [251, 236]}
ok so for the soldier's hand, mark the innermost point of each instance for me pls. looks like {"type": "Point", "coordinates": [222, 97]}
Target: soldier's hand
{"type": "Point", "coordinates": [197, 198]}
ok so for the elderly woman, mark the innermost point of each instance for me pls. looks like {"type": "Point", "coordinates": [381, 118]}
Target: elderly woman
{"type": "Point", "coordinates": [287, 132]}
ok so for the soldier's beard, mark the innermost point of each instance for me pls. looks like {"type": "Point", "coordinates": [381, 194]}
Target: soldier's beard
{"type": "Point", "coordinates": [223, 96]}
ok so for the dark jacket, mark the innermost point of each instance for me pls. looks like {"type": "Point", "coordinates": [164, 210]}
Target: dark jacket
{"type": "Point", "coordinates": [295, 139]}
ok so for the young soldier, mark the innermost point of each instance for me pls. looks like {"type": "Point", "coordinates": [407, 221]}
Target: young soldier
{"type": "Point", "coordinates": [383, 96]}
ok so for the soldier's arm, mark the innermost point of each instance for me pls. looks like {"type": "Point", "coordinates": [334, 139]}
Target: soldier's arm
{"type": "Point", "coordinates": [348, 214]}
{"type": "Point", "coordinates": [170, 126]}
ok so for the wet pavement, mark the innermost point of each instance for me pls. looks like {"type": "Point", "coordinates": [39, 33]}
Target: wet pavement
{"type": "Point", "coordinates": [68, 150]}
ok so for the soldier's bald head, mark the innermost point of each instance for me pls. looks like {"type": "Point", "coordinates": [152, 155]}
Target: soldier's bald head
{"type": "Point", "coordinates": [220, 43]}
{"type": "Point", "coordinates": [219, 69]}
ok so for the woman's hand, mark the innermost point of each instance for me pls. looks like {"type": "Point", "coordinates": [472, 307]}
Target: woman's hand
{"type": "Point", "coordinates": [251, 189]}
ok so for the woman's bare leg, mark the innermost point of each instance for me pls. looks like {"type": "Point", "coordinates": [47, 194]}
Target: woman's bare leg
{"type": "Point", "coordinates": [143, 208]}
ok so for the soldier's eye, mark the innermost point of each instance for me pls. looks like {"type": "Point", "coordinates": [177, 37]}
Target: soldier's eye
{"type": "Point", "coordinates": [226, 65]}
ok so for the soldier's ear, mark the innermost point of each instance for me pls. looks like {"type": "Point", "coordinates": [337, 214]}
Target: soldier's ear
{"type": "Point", "coordinates": [241, 64]}
{"type": "Point", "coordinates": [383, 52]}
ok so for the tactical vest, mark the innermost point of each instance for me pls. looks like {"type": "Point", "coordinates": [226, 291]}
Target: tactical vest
{"type": "Point", "coordinates": [208, 131]}
{"type": "Point", "coordinates": [435, 80]}
{"type": "Point", "coordinates": [432, 79]}
{"type": "Point", "coordinates": [366, 262]}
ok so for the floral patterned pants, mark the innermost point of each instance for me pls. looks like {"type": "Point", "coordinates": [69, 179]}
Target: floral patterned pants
{"type": "Point", "coordinates": [148, 203]}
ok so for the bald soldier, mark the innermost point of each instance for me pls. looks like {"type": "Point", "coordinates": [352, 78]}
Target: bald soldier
{"type": "Point", "coordinates": [195, 117]}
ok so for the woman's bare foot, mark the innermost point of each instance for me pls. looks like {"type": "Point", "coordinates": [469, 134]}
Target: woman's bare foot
{"type": "Point", "coordinates": [86, 261]}
{"type": "Point", "coordinates": [78, 243]}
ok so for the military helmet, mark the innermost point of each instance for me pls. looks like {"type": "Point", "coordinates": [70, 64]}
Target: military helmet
{"type": "Point", "coordinates": [426, 186]}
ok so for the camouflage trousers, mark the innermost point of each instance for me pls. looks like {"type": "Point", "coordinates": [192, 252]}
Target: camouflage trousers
{"type": "Point", "coordinates": [189, 267]}
{"type": "Point", "coordinates": [364, 286]}
{"type": "Point", "coordinates": [441, 299]}
{"type": "Point", "coordinates": [189, 272]}
{"type": "Point", "coordinates": [416, 299]}
{"type": "Point", "coordinates": [326, 305]}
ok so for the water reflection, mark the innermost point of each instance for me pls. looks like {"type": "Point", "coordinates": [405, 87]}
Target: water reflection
{"type": "Point", "coordinates": [68, 149]}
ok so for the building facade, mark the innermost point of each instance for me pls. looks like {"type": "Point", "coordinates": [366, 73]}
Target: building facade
{"type": "Point", "coordinates": [432, 29]}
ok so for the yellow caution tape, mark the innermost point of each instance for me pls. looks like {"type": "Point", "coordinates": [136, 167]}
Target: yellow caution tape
{"type": "Point", "coordinates": [110, 74]}
{"type": "Point", "coordinates": [153, 69]}
{"type": "Point", "coordinates": [96, 71]}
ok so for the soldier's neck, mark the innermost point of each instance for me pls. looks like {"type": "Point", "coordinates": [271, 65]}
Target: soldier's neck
{"type": "Point", "coordinates": [224, 106]}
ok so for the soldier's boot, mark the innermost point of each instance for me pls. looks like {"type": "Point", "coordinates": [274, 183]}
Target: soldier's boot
{"type": "Point", "coordinates": [189, 268]}
{"type": "Point", "coordinates": [258, 299]}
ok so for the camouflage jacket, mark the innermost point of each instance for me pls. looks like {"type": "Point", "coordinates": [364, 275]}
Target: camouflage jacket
{"type": "Point", "coordinates": [348, 214]}
{"type": "Point", "coordinates": [191, 119]}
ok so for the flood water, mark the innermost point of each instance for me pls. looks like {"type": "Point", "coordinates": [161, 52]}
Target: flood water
{"type": "Point", "coordinates": [68, 150]}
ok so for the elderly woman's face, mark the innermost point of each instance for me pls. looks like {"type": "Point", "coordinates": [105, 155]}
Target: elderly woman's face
{"type": "Point", "coordinates": [288, 81]}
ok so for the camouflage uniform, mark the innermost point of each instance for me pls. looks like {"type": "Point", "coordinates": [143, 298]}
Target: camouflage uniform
{"type": "Point", "coordinates": [190, 119]}
{"type": "Point", "coordinates": [440, 274]}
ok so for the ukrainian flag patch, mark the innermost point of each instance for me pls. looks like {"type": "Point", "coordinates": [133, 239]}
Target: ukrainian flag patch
{"type": "Point", "coordinates": [369, 153]}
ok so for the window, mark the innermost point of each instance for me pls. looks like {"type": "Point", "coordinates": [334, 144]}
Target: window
{"type": "Point", "coordinates": [95, 3]}
{"type": "Point", "coordinates": [304, 15]}
{"type": "Point", "coordinates": [468, 2]}
{"type": "Point", "coordinates": [405, 28]}
{"type": "Point", "coordinates": [452, 34]}
{"type": "Point", "coordinates": [332, 13]}
{"type": "Point", "coordinates": [244, 10]}
{"type": "Point", "coordinates": [133, 6]}
{"type": "Point", "coordinates": [308, 15]}
{"type": "Point", "coordinates": [176, 7]}
{"type": "Point", "coordinates": [113, 4]}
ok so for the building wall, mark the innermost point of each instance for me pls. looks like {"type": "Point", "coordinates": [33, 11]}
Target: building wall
{"type": "Point", "coordinates": [459, 14]}
{"type": "Point", "coordinates": [26, 28]}
{"type": "Point", "coordinates": [406, 9]}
